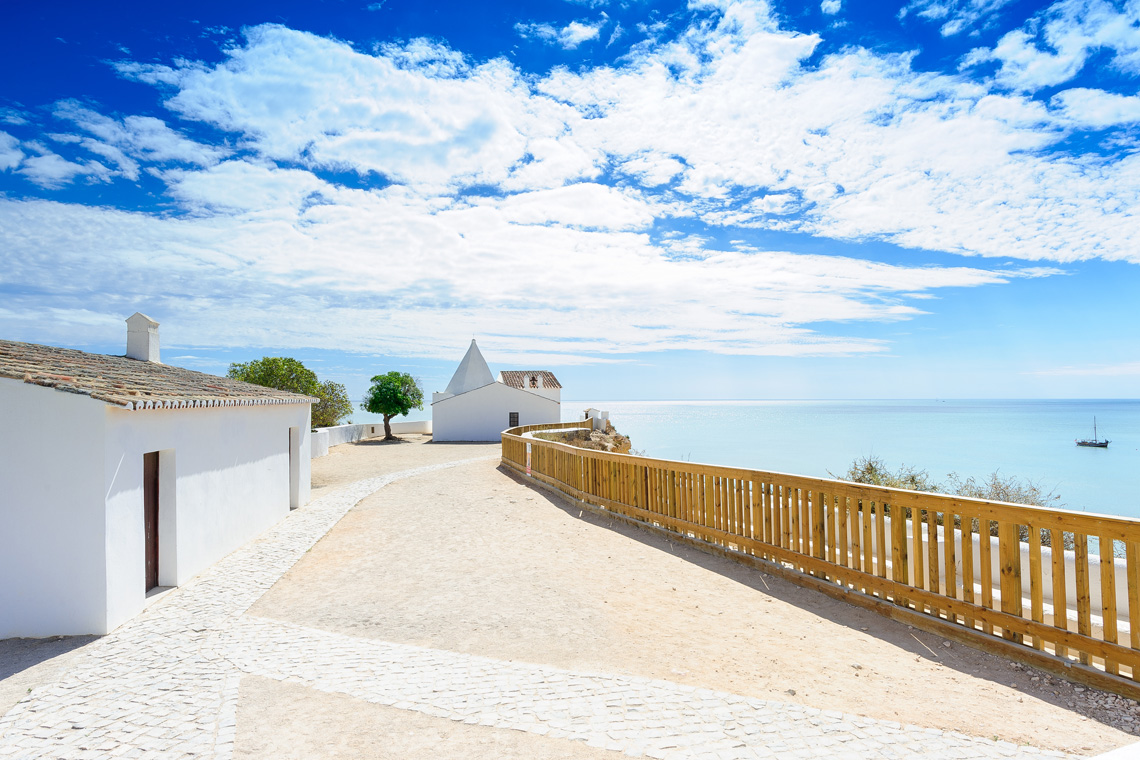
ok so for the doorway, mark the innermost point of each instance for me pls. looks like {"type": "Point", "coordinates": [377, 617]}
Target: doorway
{"type": "Point", "coordinates": [295, 440]}
{"type": "Point", "coordinates": [150, 517]}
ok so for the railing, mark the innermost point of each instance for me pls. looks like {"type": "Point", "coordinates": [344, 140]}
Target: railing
{"type": "Point", "coordinates": [991, 574]}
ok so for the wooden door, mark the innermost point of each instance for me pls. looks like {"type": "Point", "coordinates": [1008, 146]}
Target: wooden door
{"type": "Point", "coordinates": [150, 516]}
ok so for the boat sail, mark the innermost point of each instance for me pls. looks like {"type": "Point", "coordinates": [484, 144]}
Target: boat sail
{"type": "Point", "coordinates": [1094, 442]}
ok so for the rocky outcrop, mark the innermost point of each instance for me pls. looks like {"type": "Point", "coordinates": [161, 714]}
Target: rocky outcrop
{"type": "Point", "coordinates": [608, 440]}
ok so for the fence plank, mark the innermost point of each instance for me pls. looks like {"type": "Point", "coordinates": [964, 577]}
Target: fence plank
{"type": "Point", "coordinates": [1084, 600]}
{"type": "Point", "coordinates": [985, 564]}
{"type": "Point", "coordinates": [868, 536]}
{"type": "Point", "coordinates": [932, 549]}
{"type": "Point", "coordinates": [1108, 598]}
{"type": "Point", "coordinates": [1036, 580]}
{"type": "Point", "coordinates": [1132, 557]}
{"type": "Point", "coordinates": [918, 552]}
{"type": "Point", "coordinates": [1009, 554]}
{"type": "Point", "coordinates": [844, 526]}
{"type": "Point", "coordinates": [1060, 604]}
{"type": "Point", "coordinates": [968, 564]}
{"type": "Point", "coordinates": [949, 554]}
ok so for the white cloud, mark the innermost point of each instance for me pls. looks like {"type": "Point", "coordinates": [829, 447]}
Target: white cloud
{"type": "Point", "coordinates": [1054, 46]}
{"type": "Point", "coordinates": [52, 171]}
{"type": "Point", "coordinates": [242, 186]}
{"type": "Point", "coordinates": [653, 170]}
{"type": "Point", "coordinates": [830, 7]}
{"type": "Point", "coordinates": [501, 220]}
{"type": "Point", "coordinates": [143, 137]}
{"type": "Point", "coordinates": [12, 116]}
{"type": "Point", "coordinates": [1096, 109]}
{"type": "Point", "coordinates": [569, 37]}
{"type": "Point", "coordinates": [585, 205]}
{"type": "Point", "coordinates": [10, 153]}
{"type": "Point", "coordinates": [956, 16]}
{"type": "Point", "coordinates": [616, 34]}
{"type": "Point", "coordinates": [295, 97]}
{"type": "Point", "coordinates": [393, 272]}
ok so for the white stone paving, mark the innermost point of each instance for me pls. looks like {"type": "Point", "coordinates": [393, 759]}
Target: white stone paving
{"type": "Point", "coordinates": [165, 685]}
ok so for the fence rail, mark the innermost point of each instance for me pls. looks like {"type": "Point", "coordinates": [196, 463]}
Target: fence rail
{"type": "Point", "coordinates": [996, 572]}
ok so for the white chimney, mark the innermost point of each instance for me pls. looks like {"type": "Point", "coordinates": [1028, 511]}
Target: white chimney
{"type": "Point", "coordinates": [142, 338]}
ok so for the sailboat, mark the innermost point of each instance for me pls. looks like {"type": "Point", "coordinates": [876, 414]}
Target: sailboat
{"type": "Point", "coordinates": [1094, 441]}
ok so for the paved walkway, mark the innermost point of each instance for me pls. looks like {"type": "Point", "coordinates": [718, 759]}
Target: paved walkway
{"type": "Point", "coordinates": [165, 685]}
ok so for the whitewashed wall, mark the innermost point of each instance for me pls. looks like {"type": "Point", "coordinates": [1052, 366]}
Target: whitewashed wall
{"type": "Point", "coordinates": [483, 414]}
{"type": "Point", "coordinates": [72, 547]}
{"type": "Point", "coordinates": [323, 438]}
{"type": "Point", "coordinates": [233, 482]}
{"type": "Point", "coordinates": [52, 547]}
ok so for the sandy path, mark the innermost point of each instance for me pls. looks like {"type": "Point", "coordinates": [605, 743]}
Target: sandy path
{"type": "Point", "coordinates": [335, 726]}
{"type": "Point", "coordinates": [350, 462]}
{"type": "Point", "coordinates": [472, 560]}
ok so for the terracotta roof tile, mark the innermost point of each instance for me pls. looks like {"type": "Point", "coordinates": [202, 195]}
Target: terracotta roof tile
{"type": "Point", "coordinates": [131, 383]}
{"type": "Point", "coordinates": [521, 379]}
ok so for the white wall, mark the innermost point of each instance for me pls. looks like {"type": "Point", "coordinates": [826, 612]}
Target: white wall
{"type": "Point", "coordinates": [1120, 568]}
{"type": "Point", "coordinates": [423, 427]}
{"type": "Point", "coordinates": [483, 414]}
{"type": "Point", "coordinates": [320, 443]}
{"type": "Point", "coordinates": [232, 483]}
{"type": "Point", "coordinates": [335, 436]}
{"type": "Point", "coordinates": [554, 394]}
{"type": "Point", "coordinates": [52, 547]}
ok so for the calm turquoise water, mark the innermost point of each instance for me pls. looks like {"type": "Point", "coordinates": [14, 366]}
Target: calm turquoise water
{"type": "Point", "coordinates": [1029, 439]}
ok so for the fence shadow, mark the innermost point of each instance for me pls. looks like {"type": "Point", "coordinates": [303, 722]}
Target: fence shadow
{"type": "Point", "coordinates": [910, 641]}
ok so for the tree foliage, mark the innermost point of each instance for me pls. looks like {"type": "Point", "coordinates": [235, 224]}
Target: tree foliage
{"type": "Point", "coordinates": [391, 394]}
{"type": "Point", "coordinates": [873, 471]}
{"type": "Point", "coordinates": [286, 374]}
{"type": "Point", "coordinates": [278, 372]}
{"type": "Point", "coordinates": [334, 404]}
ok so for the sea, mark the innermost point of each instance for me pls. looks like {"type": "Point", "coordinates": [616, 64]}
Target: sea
{"type": "Point", "coordinates": [1032, 440]}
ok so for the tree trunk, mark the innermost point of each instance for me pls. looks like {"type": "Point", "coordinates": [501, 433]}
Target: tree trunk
{"type": "Point", "coordinates": [388, 427]}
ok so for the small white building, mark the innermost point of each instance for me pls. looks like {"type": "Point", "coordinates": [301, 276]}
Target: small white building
{"type": "Point", "coordinates": [120, 475]}
{"type": "Point", "coordinates": [477, 407]}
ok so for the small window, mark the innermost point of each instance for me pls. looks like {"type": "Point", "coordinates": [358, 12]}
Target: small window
{"type": "Point", "coordinates": [514, 416]}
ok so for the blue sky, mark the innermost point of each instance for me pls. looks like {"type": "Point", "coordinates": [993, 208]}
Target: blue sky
{"type": "Point", "coordinates": [713, 199]}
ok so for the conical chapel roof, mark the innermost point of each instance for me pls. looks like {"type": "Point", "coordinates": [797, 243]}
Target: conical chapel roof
{"type": "Point", "coordinates": [473, 372]}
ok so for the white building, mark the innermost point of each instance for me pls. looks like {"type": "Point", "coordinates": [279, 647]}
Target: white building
{"type": "Point", "coordinates": [119, 475]}
{"type": "Point", "coordinates": [477, 407]}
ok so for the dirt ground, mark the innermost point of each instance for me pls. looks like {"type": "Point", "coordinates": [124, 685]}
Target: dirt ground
{"type": "Point", "coordinates": [473, 560]}
{"type": "Point", "coordinates": [332, 726]}
{"type": "Point", "coordinates": [368, 459]}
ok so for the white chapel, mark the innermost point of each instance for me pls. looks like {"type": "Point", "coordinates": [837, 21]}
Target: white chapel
{"type": "Point", "coordinates": [478, 407]}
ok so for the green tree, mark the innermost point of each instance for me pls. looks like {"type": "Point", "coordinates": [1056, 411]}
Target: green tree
{"type": "Point", "coordinates": [278, 372]}
{"type": "Point", "coordinates": [873, 471]}
{"type": "Point", "coordinates": [392, 394]}
{"type": "Point", "coordinates": [286, 374]}
{"type": "Point", "coordinates": [334, 404]}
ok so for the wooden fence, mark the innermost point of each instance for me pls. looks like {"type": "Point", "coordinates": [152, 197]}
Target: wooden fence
{"type": "Point", "coordinates": [977, 571]}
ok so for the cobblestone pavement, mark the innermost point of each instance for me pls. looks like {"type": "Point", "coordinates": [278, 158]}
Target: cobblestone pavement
{"type": "Point", "coordinates": [165, 685]}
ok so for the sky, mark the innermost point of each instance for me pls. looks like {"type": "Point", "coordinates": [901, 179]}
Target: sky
{"type": "Point", "coordinates": [654, 200]}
